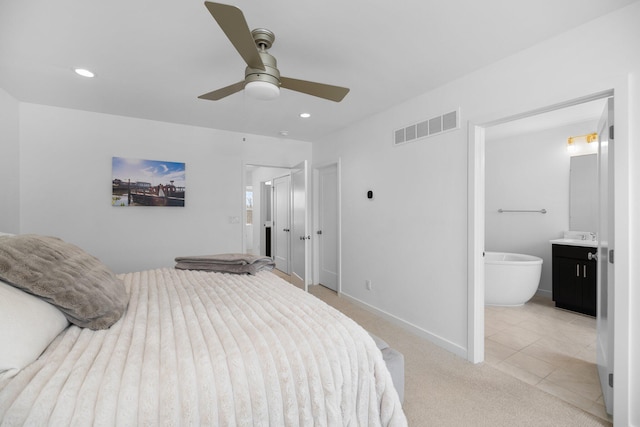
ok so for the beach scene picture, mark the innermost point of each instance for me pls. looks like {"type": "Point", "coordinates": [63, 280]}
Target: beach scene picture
{"type": "Point", "coordinates": [139, 182]}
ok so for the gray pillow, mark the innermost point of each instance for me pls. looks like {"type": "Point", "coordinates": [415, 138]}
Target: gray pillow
{"type": "Point", "coordinates": [64, 275]}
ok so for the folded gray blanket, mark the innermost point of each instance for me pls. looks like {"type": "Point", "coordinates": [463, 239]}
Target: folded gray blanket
{"type": "Point", "coordinates": [223, 259]}
{"type": "Point", "coordinates": [226, 263]}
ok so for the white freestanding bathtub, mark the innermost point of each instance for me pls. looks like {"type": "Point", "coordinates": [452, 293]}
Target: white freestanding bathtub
{"type": "Point", "coordinates": [510, 279]}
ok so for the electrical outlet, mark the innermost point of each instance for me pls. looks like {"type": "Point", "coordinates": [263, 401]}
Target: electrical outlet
{"type": "Point", "coordinates": [367, 283]}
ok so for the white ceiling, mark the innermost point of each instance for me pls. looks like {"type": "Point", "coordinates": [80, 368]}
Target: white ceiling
{"type": "Point", "coordinates": [153, 58]}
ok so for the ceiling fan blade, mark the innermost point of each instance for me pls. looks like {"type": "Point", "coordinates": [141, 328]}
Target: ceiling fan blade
{"type": "Point", "coordinates": [332, 93]}
{"type": "Point", "coordinates": [225, 91]}
{"type": "Point", "coordinates": [232, 22]}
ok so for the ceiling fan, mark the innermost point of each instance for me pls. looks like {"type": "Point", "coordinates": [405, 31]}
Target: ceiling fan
{"type": "Point", "coordinates": [262, 80]}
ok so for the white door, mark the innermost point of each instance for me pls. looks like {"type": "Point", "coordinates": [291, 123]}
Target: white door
{"type": "Point", "coordinates": [300, 234]}
{"type": "Point", "coordinates": [605, 288]}
{"type": "Point", "coordinates": [328, 226]}
{"type": "Point", "coordinates": [281, 231]}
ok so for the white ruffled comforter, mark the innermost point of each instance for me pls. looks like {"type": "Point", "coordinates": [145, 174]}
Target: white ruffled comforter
{"type": "Point", "coordinates": [197, 348]}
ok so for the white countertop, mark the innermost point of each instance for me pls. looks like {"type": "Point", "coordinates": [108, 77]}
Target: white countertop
{"type": "Point", "coordinates": [575, 242]}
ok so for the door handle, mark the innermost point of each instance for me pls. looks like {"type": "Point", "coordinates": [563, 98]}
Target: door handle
{"type": "Point", "coordinates": [577, 270]}
{"type": "Point", "coordinates": [286, 229]}
{"type": "Point", "coordinates": [584, 271]}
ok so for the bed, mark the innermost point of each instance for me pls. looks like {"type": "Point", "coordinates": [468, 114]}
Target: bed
{"type": "Point", "coordinates": [192, 348]}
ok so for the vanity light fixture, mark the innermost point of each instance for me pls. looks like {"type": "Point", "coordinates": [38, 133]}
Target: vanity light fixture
{"type": "Point", "coordinates": [588, 138]}
{"type": "Point", "coordinates": [84, 72]}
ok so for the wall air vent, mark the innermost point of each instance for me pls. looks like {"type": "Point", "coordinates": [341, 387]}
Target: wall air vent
{"type": "Point", "coordinates": [429, 127]}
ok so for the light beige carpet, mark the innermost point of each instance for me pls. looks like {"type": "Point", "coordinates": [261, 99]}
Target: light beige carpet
{"type": "Point", "coordinates": [442, 389]}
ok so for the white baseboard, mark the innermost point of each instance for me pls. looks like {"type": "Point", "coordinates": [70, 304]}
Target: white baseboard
{"type": "Point", "coordinates": [446, 344]}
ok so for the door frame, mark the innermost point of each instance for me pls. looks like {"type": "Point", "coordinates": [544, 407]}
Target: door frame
{"type": "Point", "coordinates": [476, 230]}
{"type": "Point", "coordinates": [316, 216]}
{"type": "Point", "coordinates": [243, 184]}
{"type": "Point", "coordinates": [263, 213]}
{"type": "Point", "coordinates": [286, 170]}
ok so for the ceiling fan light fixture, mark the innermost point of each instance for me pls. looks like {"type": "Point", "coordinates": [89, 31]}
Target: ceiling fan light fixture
{"type": "Point", "coordinates": [262, 90]}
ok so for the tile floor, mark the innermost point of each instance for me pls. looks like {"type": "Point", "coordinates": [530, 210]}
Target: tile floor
{"type": "Point", "coordinates": [551, 349]}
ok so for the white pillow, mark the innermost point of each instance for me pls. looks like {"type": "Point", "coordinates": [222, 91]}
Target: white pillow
{"type": "Point", "coordinates": [27, 326]}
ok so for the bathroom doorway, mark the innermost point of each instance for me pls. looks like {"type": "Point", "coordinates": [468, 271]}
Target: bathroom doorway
{"type": "Point", "coordinates": [480, 139]}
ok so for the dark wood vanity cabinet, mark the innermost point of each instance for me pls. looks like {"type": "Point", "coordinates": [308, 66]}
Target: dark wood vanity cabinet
{"type": "Point", "coordinates": [574, 278]}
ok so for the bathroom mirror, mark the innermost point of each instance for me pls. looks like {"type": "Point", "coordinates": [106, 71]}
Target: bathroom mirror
{"type": "Point", "coordinates": [583, 193]}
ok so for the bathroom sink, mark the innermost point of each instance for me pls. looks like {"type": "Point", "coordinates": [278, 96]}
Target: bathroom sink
{"type": "Point", "coordinates": [575, 242]}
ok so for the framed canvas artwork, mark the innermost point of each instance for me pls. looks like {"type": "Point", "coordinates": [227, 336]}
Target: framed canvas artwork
{"type": "Point", "coordinates": [139, 182]}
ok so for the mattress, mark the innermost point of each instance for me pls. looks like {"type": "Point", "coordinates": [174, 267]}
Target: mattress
{"type": "Point", "coordinates": [211, 349]}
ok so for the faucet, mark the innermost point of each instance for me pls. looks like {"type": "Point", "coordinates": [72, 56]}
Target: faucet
{"type": "Point", "coordinates": [592, 235]}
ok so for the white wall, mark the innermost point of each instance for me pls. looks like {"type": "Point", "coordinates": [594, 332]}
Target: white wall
{"type": "Point", "coordinates": [529, 171]}
{"type": "Point", "coordinates": [9, 164]}
{"type": "Point", "coordinates": [411, 239]}
{"type": "Point", "coordinates": [66, 177]}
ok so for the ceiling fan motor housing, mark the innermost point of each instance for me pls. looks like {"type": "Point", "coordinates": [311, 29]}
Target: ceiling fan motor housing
{"type": "Point", "coordinates": [269, 75]}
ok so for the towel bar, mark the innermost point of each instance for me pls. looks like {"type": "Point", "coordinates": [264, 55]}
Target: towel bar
{"type": "Point", "coordinates": [542, 211]}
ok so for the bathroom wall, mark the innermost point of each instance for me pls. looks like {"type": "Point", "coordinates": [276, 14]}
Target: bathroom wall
{"type": "Point", "coordinates": [529, 171]}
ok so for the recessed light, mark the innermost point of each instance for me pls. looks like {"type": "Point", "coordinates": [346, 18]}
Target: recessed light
{"type": "Point", "coordinates": [284, 132]}
{"type": "Point", "coordinates": [305, 115]}
{"type": "Point", "coordinates": [84, 72]}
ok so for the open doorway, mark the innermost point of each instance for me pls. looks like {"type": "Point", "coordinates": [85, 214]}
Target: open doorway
{"type": "Point", "coordinates": [275, 213]}
{"type": "Point", "coordinates": [258, 208]}
{"type": "Point", "coordinates": [482, 212]}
